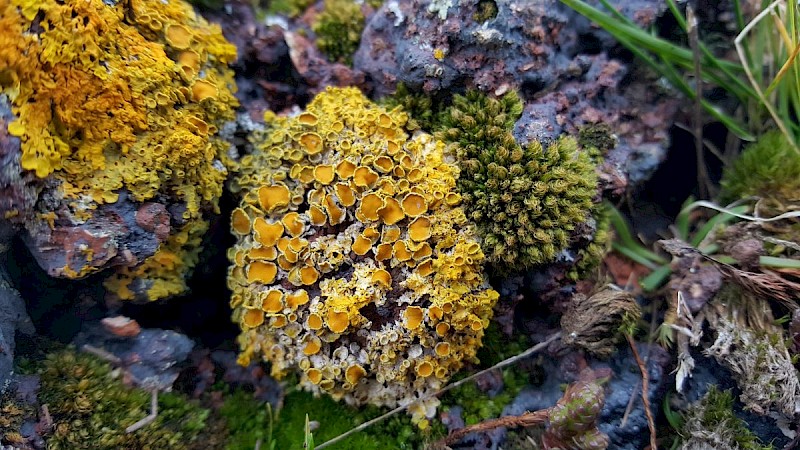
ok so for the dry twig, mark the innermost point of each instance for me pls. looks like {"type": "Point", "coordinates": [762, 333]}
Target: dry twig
{"type": "Point", "coordinates": [651, 423]}
{"type": "Point", "coordinates": [528, 419]}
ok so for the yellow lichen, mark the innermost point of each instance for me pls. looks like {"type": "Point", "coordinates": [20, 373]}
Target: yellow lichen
{"type": "Point", "coordinates": [390, 269]}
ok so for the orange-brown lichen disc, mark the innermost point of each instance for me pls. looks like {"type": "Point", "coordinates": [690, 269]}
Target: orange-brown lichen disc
{"type": "Point", "coordinates": [278, 321]}
{"type": "Point", "coordinates": [178, 36]}
{"type": "Point", "coordinates": [189, 61]}
{"type": "Point", "coordinates": [261, 272]}
{"type": "Point", "coordinates": [392, 147]}
{"type": "Point", "coordinates": [273, 302]}
{"type": "Point", "coordinates": [361, 245]}
{"type": "Point", "coordinates": [307, 118]}
{"type": "Point", "coordinates": [420, 229]}
{"type": "Point", "coordinates": [435, 313]}
{"type": "Point", "coordinates": [267, 234]}
{"type": "Point", "coordinates": [386, 185]}
{"type": "Point", "coordinates": [476, 325]}
{"type": "Point", "coordinates": [253, 318]}
{"type": "Point", "coordinates": [324, 174]}
{"type": "Point", "coordinates": [391, 234]}
{"type": "Point", "coordinates": [442, 349]}
{"type": "Point", "coordinates": [447, 307]}
{"type": "Point", "coordinates": [306, 175]}
{"type": "Point", "coordinates": [337, 321]}
{"type": "Point", "coordinates": [345, 169]}
{"type": "Point", "coordinates": [414, 204]}
{"type": "Point", "coordinates": [275, 196]}
{"type": "Point", "coordinates": [383, 252]}
{"type": "Point", "coordinates": [413, 316]}
{"type": "Point", "coordinates": [296, 299]}
{"type": "Point", "coordinates": [383, 278]}
{"type": "Point", "coordinates": [385, 120]}
{"type": "Point", "coordinates": [424, 369]}
{"type": "Point", "coordinates": [314, 375]}
{"type": "Point", "coordinates": [384, 164]}
{"type": "Point", "coordinates": [290, 255]}
{"type": "Point", "coordinates": [368, 209]}
{"type": "Point", "coordinates": [354, 373]}
{"type": "Point", "coordinates": [267, 253]}
{"type": "Point", "coordinates": [345, 194]}
{"type": "Point", "coordinates": [423, 252]}
{"type": "Point", "coordinates": [335, 213]}
{"type": "Point", "coordinates": [283, 244]}
{"type": "Point", "coordinates": [401, 251]}
{"type": "Point", "coordinates": [414, 175]}
{"type": "Point", "coordinates": [202, 89]}
{"type": "Point", "coordinates": [314, 321]}
{"type": "Point", "coordinates": [391, 213]}
{"type": "Point", "coordinates": [309, 275]}
{"type": "Point", "coordinates": [293, 223]}
{"type": "Point", "coordinates": [312, 347]}
{"type": "Point", "coordinates": [312, 143]}
{"type": "Point", "coordinates": [364, 177]}
{"type": "Point", "coordinates": [238, 259]}
{"type": "Point", "coordinates": [442, 328]}
{"type": "Point", "coordinates": [317, 216]}
{"type": "Point", "coordinates": [473, 249]}
{"type": "Point", "coordinates": [371, 233]}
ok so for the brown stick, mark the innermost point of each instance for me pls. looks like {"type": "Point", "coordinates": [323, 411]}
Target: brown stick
{"type": "Point", "coordinates": [651, 424]}
{"type": "Point", "coordinates": [528, 419]}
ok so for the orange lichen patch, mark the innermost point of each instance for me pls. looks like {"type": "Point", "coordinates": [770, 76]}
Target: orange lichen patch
{"type": "Point", "coordinates": [413, 317]}
{"type": "Point", "coordinates": [324, 174]}
{"type": "Point", "coordinates": [387, 186]}
{"type": "Point", "coordinates": [364, 177]}
{"type": "Point", "coordinates": [383, 164]}
{"type": "Point", "coordinates": [384, 120]}
{"type": "Point", "coordinates": [383, 252]}
{"type": "Point", "coordinates": [189, 62]}
{"type": "Point", "coordinates": [424, 369]}
{"type": "Point", "coordinates": [476, 325]}
{"type": "Point", "coordinates": [312, 143]}
{"type": "Point", "coordinates": [391, 234]}
{"type": "Point", "coordinates": [297, 298]}
{"type": "Point", "coordinates": [420, 229]}
{"type": "Point", "coordinates": [275, 196]}
{"type": "Point", "coordinates": [291, 256]}
{"type": "Point", "coordinates": [346, 195]}
{"type": "Point", "coordinates": [337, 321]}
{"type": "Point", "coordinates": [278, 321]}
{"type": "Point", "coordinates": [314, 321]}
{"type": "Point", "coordinates": [336, 214]}
{"type": "Point", "coordinates": [401, 251]}
{"type": "Point", "coordinates": [313, 346]}
{"type": "Point", "coordinates": [253, 318]}
{"type": "Point", "coordinates": [273, 301]}
{"type": "Point", "coordinates": [368, 209]}
{"type": "Point", "coordinates": [308, 275]}
{"type": "Point", "coordinates": [291, 221]}
{"type": "Point", "coordinates": [178, 36]}
{"type": "Point", "coordinates": [345, 169]}
{"type": "Point", "coordinates": [307, 118]}
{"type": "Point", "coordinates": [240, 222]}
{"type": "Point", "coordinates": [391, 213]}
{"type": "Point", "coordinates": [267, 234]}
{"type": "Point", "coordinates": [435, 313]}
{"type": "Point", "coordinates": [261, 272]}
{"type": "Point", "coordinates": [423, 252]}
{"type": "Point", "coordinates": [442, 328]}
{"type": "Point", "coordinates": [382, 278]}
{"type": "Point", "coordinates": [354, 374]}
{"type": "Point", "coordinates": [361, 245]}
{"type": "Point", "coordinates": [283, 244]}
{"type": "Point", "coordinates": [202, 89]}
{"type": "Point", "coordinates": [265, 253]}
{"type": "Point", "coordinates": [317, 216]}
{"type": "Point", "coordinates": [414, 205]}
{"type": "Point", "coordinates": [414, 175]}
{"type": "Point", "coordinates": [306, 174]}
{"type": "Point", "coordinates": [238, 258]}
{"type": "Point", "coordinates": [314, 375]}
{"type": "Point", "coordinates": [442, 349]}
{"type": "Point", "coordinates": [392, 148]}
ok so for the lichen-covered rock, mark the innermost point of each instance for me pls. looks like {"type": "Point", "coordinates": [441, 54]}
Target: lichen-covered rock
{"type": "Point", "coordinates": [550, 54]}
{"type": "Point", "coordinates": [356, 265]}
{"type": "Point", "coordinates": [117, 108]}
{"type": "Point", "coordinates": [13, 317]}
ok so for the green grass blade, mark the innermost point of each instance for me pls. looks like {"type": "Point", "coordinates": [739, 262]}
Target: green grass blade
{"type": "Point", "coordinates": [719, 219]}
{"type": "Point", "coordinates": [656, 278]}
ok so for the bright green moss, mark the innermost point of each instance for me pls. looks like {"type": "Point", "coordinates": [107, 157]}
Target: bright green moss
{"type": "Point", "coordinates": [710, 422]}
{"type": "Point", "coordinates": [291, 8]}
{"type": "Point", "coordinates": [335, 418]}
{"type": "Point", "coordinates": [590, 256]}
{"type": "Point", "coordinates": [247, 421]}
{"type": "Point", "coordinates": [338, 28]}
{"type": "Point", "coordinates": [91, 408]}
{"type": "Point", "coordinates": [769, 168]}
{"type": "Point", "coordinates": [525, 201]}
{"type": "Point", "coordinates": [419, 107]}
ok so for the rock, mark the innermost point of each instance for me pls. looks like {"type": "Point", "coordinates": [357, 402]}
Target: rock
{"type": "Point", "coordinates": [13, 317]}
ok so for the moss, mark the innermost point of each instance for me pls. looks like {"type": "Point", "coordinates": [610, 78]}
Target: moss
{"type": "Point", "coordinates": [397, 432]}
{"type": "Point", "coordinates": [422, 111]}
{"type": "Point", "coordinates": [290, 8]}
{"type": "Point", "coordinates": [12, 415]}
{"type": "Point", "coordinates": [769, 168]}
{"type": "Point", "coordinates": [591, 255]}
{"type": "Point", "coordinates": [247, 421]}
{"type": "Point", "coordinates": [91, 408]}
{"type": "Point", "coordinates": [711, 423]}
{"type": "Point", "coordinates": [525, 201]}
{"type": "Point", "coordinates": [478, 405]}
{"type": "Point", "coordinates": [598, 136]}
{"type": "Point", "coordinates": [338, 28]}
{"type": "Point", "coordinates": [485, 10]}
